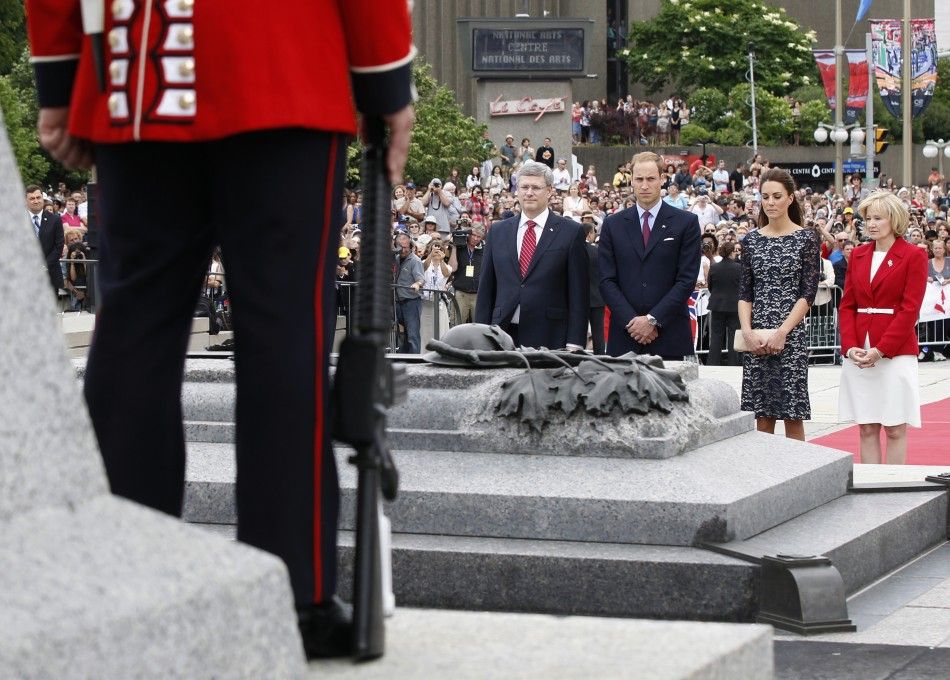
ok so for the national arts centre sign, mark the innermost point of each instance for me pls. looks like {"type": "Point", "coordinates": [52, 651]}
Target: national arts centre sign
{"type": "Point", "coordinates": [525, 48]}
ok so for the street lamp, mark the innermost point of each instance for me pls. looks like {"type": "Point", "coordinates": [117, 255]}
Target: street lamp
{"type": "Point", "coordinates": [838, 134]}
{"type": "Point", "coordinates": [932, 149]}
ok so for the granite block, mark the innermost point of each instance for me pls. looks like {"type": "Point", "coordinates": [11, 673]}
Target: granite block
{"type": "Point", "coordinates": [208, 401]}
{"type": "Point", "coordinates": [46, 459]}
{"type": "Point", "coordinates": [559, 577]}
{"type": "Point", "coordinates": [937, 596]}
{"type": "Point", "coordinates": [692, 498]}
{"type": "Point", "coordinates": [425, 643]}
{"type": "Point", "coordinates": [864, 535]}
{"type": "Point", "coordinates": [209, 431]}
{"type": "Point", "coordinates": [113, 590]}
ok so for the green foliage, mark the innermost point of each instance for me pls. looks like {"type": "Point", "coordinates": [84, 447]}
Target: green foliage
{"type": "Point", "coordinates": [736, 132]}
{"type": "Point", "coordinates": [708, 43]}
{"type": "Point", "coordinates": [12, 33]}
{"type": "Point", "coordinates": [936, 121]}
{"type": "Point", "coordinates": [20, 110]}
{"type": "Point", "coordinates": [813, 112]}
{"type": "Point", "coordinates": [773, 116]}
{"type": "Point", "coordinates": [694, 132]}
{"type": "Point", "coordinates": [443, 137]}
{"type": "Point", "coordinates": [708, 106]}
{"type": "Point", "coordinates": [33, 165]}
{"type": "Point", "coordinates": [809, 93]}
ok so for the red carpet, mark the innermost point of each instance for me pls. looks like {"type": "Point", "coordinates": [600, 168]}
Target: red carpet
{"type": "Point", "coordinates": [928, 445]}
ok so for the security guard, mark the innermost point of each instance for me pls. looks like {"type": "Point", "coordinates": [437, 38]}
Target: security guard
{"type": "Point", "coordinates": [224, 114]}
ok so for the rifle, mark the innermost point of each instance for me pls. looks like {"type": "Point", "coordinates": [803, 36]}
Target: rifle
{"type": "Point", "coordinates": [366, 384]}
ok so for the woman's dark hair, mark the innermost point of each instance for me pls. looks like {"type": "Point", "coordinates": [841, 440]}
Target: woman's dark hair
{"type": "Point", "coordinates": [781, 177]}
{"type": "Point", "coordinates": [726, 250]}
{"type": "Point", "coordinates": [710, 237]}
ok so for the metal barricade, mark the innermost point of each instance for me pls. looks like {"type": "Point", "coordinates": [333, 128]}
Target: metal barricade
{"type": "Point", "coordinates": [439, 313]}
{"type": "Point", "coordinates": [821, 328]}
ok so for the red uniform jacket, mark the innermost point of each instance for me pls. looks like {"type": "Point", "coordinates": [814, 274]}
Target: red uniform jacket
{"type": "Point", "coordinates": [899, 285]}
{"type": "Point", "coordinates": [170, 65]}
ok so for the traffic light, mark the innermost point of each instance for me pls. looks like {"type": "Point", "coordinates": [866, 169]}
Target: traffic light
{"type": "Point", "coordinates": [880, 144]}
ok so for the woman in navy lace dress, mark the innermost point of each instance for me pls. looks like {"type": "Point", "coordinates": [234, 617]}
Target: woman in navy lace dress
{"type": "Point", "coordinates": [780, 266]}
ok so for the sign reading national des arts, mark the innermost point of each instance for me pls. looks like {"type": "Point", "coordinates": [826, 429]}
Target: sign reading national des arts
{"type": "Point", "coordinates": [525, 47]}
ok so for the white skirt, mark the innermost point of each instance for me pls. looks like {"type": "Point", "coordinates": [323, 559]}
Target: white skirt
{"type": "Point", "coordinates": [887, 394]}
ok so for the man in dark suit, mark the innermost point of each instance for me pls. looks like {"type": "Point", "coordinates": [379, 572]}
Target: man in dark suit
{"type": "Point", "coordinates": [596, 313]}
{"type": "Point", "coordinates": [649, 260]}
{"type": "Point", "coordinates": [534, 271]}
{"type": "Point", "coordinates": [724, 305]}
{"type": "Point", "coordinates": [48, 227]}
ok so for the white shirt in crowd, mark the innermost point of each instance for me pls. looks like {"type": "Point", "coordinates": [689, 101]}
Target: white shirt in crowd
{"type": "Point", "coordinates": [562, 179]}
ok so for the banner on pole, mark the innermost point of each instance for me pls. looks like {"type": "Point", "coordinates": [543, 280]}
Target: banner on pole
{"type": "Point", "coordinates": [888, 63]}
{"type": "Point", "coordinates": [923, 56]}
{"type": "Point", "coordinates": [825, 59]}
{"type": "Point", "coordinates": [857, 84]}
{"type": "Point", "coordinates": [886, 52]}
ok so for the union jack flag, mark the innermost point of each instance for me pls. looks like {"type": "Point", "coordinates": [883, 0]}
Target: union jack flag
{"type": "Point", "coordinates": [693, 318]}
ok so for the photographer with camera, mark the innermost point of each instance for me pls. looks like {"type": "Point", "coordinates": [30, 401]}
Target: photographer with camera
{"type": "Point", "coordinates": [75, 276]}
{"type": "Point", "coordinates": [440, 202]}
{"type": "Point", "coordinates": [467, 240]}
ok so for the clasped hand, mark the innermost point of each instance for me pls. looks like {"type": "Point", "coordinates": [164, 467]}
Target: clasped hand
{"type": "Point", "coordinates": [774, 344]}
{"type": "Point", "coordinates": [641, 330]}
{"type": "Point", "coordinates": [864, 358]}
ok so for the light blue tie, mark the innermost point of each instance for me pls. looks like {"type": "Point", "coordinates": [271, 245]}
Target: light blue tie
{"type": "Point", "coordinates": [36, 225]}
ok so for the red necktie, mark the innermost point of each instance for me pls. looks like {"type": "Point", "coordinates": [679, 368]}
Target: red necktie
{"type": "Point", "coordinates": [646, 229]}
{"type": "Point", "coordinates": [527, 247]}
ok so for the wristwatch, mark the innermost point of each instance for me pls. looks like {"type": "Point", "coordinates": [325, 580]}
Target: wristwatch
{"type": "Point", "coordinates": [652, 321]}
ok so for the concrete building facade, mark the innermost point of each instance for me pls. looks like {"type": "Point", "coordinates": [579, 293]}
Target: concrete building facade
{"type": "Point", "coordinates": [436, 34]}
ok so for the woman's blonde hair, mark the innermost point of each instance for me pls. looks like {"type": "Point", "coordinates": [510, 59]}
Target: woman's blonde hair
{"type": "Point", "coordinates": [894, 207]}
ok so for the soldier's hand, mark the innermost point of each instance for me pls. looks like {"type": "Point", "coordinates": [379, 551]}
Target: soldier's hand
{"type": "Point", "coordinates": [400, 133]}
{"type": "Point", "coordinates": [53, 130]}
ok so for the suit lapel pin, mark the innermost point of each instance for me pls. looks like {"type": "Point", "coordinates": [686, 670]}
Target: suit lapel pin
{"type": "Point", "coordinates": [662, 226]}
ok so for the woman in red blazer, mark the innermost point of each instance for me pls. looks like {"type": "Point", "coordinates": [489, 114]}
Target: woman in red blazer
{"type": "Point", "coordinates": [878, 317]}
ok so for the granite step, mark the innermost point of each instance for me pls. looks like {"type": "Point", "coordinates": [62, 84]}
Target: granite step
{"type": "Point", "coordinates": [864, 535]}
{"type": "Point", "coordinates": [559, 577]}
{"type": "Point", "coordinates": [693, 498]}
{"type": "Point", "coordinates": [564, 577]}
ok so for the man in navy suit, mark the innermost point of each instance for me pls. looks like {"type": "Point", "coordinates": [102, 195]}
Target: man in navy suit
{"type": "Point", "coordinates": [48, 227]}
{"type": "Point", "coordinates": [534, 271]}
{"type": "Point", "coordinates": [649, 260]}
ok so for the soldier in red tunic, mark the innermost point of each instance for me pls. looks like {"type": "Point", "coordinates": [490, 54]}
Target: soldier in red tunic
{"type": "Point", "coordinates": [226, 114]}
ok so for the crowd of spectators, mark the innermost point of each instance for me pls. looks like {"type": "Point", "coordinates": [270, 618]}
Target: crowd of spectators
{"type": "Point", "coordinates": [453, 214]}
{"type": "Point", "coordinates": [446, 219]}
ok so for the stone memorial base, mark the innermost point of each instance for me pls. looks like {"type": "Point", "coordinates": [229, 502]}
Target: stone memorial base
{"type": "Point", "coordinates": [581, 530]}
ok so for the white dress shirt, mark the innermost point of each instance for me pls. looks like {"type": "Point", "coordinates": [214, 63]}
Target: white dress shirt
{"type": "Point", "coordinates": [539, 223]}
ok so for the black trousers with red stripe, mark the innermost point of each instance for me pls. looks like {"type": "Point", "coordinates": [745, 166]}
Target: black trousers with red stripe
{"type": "Point", "coordinates": [272, 201]}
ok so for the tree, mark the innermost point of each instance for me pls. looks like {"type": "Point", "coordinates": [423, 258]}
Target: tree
{"type": "Point", "coordinates": [708, 105]}
{"type": "Point", "coordinates": [693, 43]}
{"type": "Point", "coordinates": [443, 137]}
{"type": "Point", "coordinates": [20, 111]}
{"type": "Point", "coordinates": [32, 163]}
{"type": "Point", "coordinates": [12, 33]}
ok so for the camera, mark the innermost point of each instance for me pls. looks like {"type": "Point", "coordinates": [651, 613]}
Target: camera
{"type": "Point", "coordinates": [77, 250]}
{"type": "Point", "coordinates": [460, 237]}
